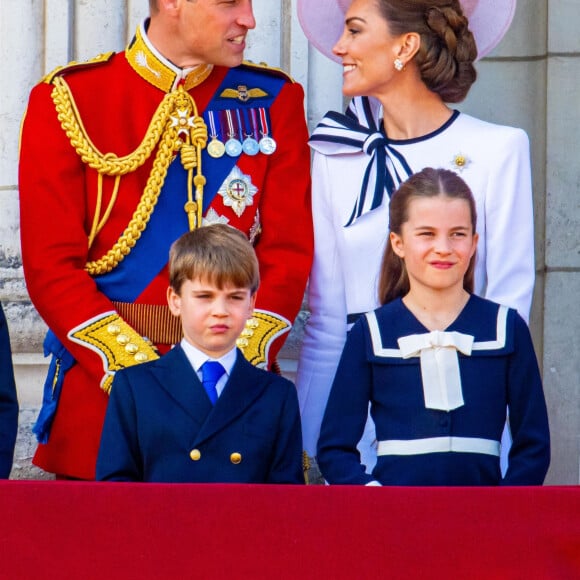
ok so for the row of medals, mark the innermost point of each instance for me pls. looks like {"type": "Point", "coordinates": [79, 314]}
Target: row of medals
{"type": "Point", "coordinates": [234, 147]}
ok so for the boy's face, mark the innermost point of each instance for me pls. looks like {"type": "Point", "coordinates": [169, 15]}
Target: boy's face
{"type": "Point", "coordinates": [212, 318]}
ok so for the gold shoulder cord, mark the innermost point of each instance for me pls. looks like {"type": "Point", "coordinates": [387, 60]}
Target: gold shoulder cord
{"type": "Point", "coordinates": [175, 124]}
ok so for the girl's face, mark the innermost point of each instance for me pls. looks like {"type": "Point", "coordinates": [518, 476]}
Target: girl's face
{"type": "Point", "coordinates": [436, 242]}
{"type": "Point", "coordinates": [367, 49]}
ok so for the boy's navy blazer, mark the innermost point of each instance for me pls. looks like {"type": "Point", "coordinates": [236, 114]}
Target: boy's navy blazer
{"type": "Point", "coordinates": [160, 426]}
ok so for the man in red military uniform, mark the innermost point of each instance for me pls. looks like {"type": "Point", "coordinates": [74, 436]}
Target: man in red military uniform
{"type": "Point", "coordinates": [119, 157]}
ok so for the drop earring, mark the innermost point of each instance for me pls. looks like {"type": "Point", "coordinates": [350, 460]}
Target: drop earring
{"type": "Point", "coordinates": [399, 64]}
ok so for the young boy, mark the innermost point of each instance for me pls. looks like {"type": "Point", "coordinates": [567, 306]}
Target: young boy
{"type": "Point", "coordinates": [166, 421]}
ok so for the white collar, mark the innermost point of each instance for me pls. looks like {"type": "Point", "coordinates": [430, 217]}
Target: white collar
{"type": "Point", "coordinates": [196, 357]}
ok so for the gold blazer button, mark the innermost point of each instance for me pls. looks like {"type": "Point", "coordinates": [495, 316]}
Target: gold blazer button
{"type": "Point", "coordinates": [195, 454]}
{"type": "Point", "coordinates": [236, 458]}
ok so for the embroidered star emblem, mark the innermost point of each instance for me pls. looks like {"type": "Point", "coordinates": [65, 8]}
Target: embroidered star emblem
{"type": "Point", "coordinates": [238, 191]}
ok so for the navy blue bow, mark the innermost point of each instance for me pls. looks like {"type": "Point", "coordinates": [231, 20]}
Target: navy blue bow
{"type": "Point", "coordinates": [356, 131]}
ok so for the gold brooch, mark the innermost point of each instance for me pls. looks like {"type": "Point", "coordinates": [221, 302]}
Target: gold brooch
{"type": "Point", "coordinates": [460, 162]}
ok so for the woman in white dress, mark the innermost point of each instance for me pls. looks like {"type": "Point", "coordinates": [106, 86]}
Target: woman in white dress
{"type": "Point", "coordinates": [403, 62]}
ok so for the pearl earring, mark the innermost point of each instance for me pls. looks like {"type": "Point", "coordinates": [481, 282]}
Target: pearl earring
{"type": "Point", "coordinates": [399, 64]}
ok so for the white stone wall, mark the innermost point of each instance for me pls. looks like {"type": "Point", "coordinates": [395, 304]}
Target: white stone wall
{"type": "Point", "coordinates": [532, 80]}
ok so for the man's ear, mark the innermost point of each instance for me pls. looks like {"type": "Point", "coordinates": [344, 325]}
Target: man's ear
{"type": "Point", "coordinates": [169, 6]}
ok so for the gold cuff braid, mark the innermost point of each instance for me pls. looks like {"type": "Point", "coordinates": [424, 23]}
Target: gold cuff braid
{"type": "Point", "coordinates": [260, 332]}
{"type": "Point", "coordinates": [118, 345]}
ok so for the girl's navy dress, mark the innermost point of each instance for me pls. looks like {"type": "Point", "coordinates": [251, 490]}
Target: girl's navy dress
{"type": "Point", "coordinates": [417, 445]}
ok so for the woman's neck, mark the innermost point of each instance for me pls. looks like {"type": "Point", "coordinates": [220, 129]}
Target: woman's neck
{"type": "Point", "coordinates": [413, 111]}
{"type": "Point", "coordinates": [436, 310]}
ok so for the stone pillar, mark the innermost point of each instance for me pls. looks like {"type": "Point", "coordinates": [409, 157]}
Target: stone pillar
{"type": "Point", "coordinates": [562, 240]}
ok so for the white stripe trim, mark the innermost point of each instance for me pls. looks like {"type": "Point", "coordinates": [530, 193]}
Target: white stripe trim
{"type": "Point", "coordinates": [497, 344]}
{"type": "Point", "coordinates": [439, 445]}
{"type": "Point", "coordinates": [377, 341]}
{"type": "Point", "coordinates": [500, 333]}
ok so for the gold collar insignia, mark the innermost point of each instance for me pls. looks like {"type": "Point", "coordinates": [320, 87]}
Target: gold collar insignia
{"type": "Point", "coordinates": [158, 71]}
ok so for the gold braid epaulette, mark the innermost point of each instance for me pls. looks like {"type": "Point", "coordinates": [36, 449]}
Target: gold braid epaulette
{"type": "Point", "coordinates": [74, 66]}
{"type": "Point", "coordinates": [165, 128]}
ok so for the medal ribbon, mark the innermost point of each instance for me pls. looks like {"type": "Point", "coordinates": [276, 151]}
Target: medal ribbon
{"type": "Point", "coordinates": [231, 131]}
{"type": "Point", "coordinates": [212, 125]}
{"type": "Point", "coordinates": [265, 130]}
{"type": "Point", "coordinates": [240, 124]}
{"type": "Point", "coordinates": [254, 122]}
{"type": "Point", "coordinates": [248, 130]}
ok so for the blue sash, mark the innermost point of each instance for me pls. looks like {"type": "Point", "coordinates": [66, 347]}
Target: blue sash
{"type": "Point", "coordinates": [169, 220]}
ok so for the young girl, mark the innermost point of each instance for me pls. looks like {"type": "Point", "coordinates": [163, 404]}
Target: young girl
{"type": "Point", "coordinates": [438, 364]}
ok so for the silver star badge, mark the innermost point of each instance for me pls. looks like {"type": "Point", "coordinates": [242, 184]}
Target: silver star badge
{"type": "Point", "coordinates": [238, 191]}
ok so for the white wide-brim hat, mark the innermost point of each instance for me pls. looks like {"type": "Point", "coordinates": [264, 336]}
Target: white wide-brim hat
{"type": "Point", "coordinates": [323, 22]}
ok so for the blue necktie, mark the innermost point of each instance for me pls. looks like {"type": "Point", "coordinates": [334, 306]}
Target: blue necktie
{"type": "Point", "coordinates": [211, 371]}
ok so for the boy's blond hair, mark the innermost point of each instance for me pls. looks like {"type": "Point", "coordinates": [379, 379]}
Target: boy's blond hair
{"type": "Point", "coordinates": [219, 254]}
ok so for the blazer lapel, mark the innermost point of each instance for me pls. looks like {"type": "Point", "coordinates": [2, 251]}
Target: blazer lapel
{"type": "Point", "coordinates": [244, 386]}
{"type": "Point", "coordinates": [178, 379]}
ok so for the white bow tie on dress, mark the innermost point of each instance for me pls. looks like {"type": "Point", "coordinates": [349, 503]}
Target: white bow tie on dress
{"type": "Point", "coordinates": [439, 365]}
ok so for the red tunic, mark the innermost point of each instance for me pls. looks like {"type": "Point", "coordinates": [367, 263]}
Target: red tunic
{"type": "Point", "coordinates": [58, 196]}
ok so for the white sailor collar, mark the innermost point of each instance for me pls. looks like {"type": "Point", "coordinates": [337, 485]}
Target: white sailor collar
{"type": "Point", "coordinates": [489, 324]}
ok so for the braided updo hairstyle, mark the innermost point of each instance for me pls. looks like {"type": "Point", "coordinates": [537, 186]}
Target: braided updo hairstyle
{"type": "Point", "coordinates": [448, 50]}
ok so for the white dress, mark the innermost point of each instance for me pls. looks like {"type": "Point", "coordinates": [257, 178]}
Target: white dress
{"type": "Point", "coordinates": [494, 160]}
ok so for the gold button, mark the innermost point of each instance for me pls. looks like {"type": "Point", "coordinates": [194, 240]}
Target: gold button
{"type": "Point", "coordinates": [114, 329]}
{"type": "Point", "coordinates": [236, 458]}
{"type": "Point", "coordinates": [132, 348]}
{"type": "Point", "coordinates": [242, 343]}
{"type": "Point", "coordinates": [141, 357]}
{"type": "Point", "coordinates": [123, 339]}
{"type": "Point", "coordinates": [195, 454]}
